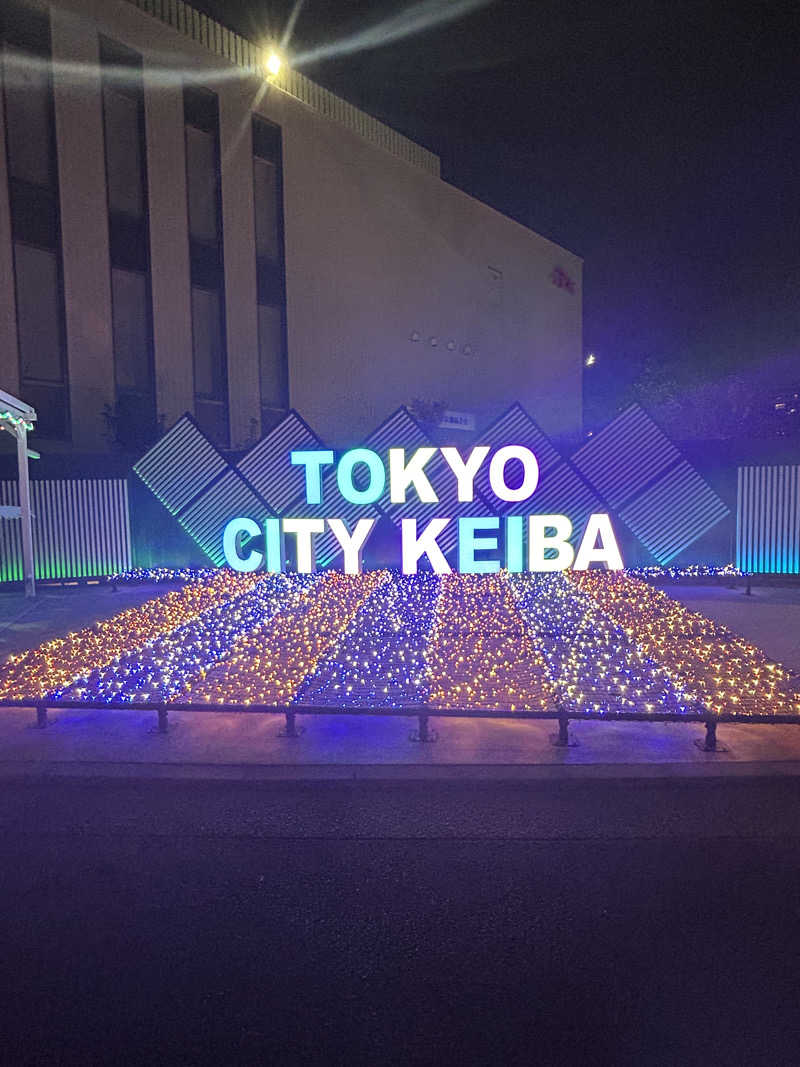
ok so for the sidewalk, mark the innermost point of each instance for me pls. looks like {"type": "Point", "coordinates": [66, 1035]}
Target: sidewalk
{"type": "Point", "coordinates": [227, 745]}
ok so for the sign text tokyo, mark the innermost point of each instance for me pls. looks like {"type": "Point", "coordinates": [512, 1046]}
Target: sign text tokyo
{"type": "Point", "coordinates": [485, 543]}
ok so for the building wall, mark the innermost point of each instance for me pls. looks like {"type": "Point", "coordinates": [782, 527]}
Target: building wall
{"type": "Point", "coordinates": [378, 252]}
{"type": "Point", "coordinates": [413, 255]}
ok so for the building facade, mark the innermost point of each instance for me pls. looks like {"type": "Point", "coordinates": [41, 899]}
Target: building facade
{"type": "Point", "coordinates": [179, 234]}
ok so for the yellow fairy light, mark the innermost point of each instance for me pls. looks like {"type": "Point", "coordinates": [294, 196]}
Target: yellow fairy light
{"type": "Point", "coordinates": [268, 666]}
{"type": "Point", "coordinates": [57, 663]}
{"type": "Point", "coordinates": [480, 654]}
{"type": "Point", "coordinates": [728, 674]}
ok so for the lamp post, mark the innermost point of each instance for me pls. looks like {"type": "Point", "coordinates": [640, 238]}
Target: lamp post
{"type": "Point", "coordinates": [18, 418]}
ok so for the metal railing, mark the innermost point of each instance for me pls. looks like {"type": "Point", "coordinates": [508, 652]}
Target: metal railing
{"type": "Point", "coordinates": [236, 49]}
{"type": "Point", "coordinates": [423, 713]}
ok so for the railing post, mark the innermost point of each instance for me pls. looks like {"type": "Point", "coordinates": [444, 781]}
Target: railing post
{"type": "Point", "coordinates": [41, 716]}
{"type": "Point", "coordinates": [423, 733]}
{"type": "Point", "coordinates": [562, 738]}
{"type": "Point", "coordinates": [291, 728]}
{"type": "Point", "coordinates": [711, 737]}
{"type": "Point", "coordinates": [563, 731]}
{"type": "Point", "coordinates": [748, 591]}
{"type": "Point", "coordinates": [163, 722]}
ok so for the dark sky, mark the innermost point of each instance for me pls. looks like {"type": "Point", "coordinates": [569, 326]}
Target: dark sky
{"type": "Point", "coordinates": [658, 140]}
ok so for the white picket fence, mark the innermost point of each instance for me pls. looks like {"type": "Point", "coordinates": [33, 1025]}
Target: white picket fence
{"type": "Point", "coordinates": [81, 528]}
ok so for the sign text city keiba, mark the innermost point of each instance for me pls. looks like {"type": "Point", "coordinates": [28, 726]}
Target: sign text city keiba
{"type": "Point", "coordinates": [485, 542]}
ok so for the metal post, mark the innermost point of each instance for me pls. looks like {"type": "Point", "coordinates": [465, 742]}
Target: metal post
{"type": "Point", "coordinates": [291, 728]}
{"type": "Point", "coordinates": [41, 716]}
{"type": "Point", "coordinates": [163, 723]}
{"type": "Point", "coordinates": [711, 737]}
{"type": "Point", "coordinates": [562, 740]}
{"type": "Point", "coordinates": [25, 510]}
{"type": "Point", "coordinates": [423, 733]}
{"type": "Point", "coordinates": [748, 591]}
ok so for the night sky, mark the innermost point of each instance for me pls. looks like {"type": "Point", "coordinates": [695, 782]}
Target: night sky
{"type": "Point", "coordinates": [658, 140]}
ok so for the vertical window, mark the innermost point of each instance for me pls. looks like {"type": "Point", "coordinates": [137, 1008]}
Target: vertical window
{"type": "Point", "coordinates": [35, 224]}
{"type": "Point", "coordinates": [133, 419]}
{"type": "Point", "coordinates": [201, 117]}
{"type": "Point", "coordinates": [268, 205]}
{"type": "Point", "coordinates": [28, 107]}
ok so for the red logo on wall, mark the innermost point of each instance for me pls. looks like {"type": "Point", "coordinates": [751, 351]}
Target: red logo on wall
{"type": "Point", "coordinates": [562, 280]}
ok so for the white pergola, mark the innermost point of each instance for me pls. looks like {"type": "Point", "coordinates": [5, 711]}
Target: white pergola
{"type": "Point", "coordinates": [18, 418]}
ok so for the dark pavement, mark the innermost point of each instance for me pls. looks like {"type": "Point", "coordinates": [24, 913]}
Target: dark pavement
{"type": "Point", "coordinates": [599, 922]}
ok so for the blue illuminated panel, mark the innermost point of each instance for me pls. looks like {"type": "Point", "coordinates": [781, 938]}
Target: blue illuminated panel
{"type": "Point", "coordinates": [205, 519]}
{"type": "Point", "coordinates": [625, 456]}
{"type": "Point", "coordinates": [768, 519]}
{"type": "Point", "coordinates": [515, 426]}
{"type": "Point", "coordinates": [673, 513]}
{"type": "Point", "coordinates": [403, 431]}
{"type": "Point", "coordinates": [634, 466]}
{"type": "Point", "coordinates": [266, 466]}
{"type": "Point", "coordinates": [180, 465]}
{"type": "Point", "coordinates": [562, 491]}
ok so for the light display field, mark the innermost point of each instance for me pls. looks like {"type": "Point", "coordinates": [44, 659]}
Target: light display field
{"type": "Point", "coordinates": [590, 643]}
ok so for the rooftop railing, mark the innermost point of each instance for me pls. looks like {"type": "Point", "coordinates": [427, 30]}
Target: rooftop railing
{"type": "Point", "coordinates": [244, 53]}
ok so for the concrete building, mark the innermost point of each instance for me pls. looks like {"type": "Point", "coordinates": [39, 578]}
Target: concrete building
{"type": "Point", "coordinates": [178, 234]}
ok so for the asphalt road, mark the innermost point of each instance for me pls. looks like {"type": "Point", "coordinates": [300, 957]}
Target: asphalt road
{"type": "Point", "coordinates": [429, 922]}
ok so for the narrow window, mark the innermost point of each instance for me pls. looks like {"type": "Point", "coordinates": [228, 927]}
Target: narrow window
{"type": "Point", "coordinates": [133, 419]}
{"type": "Point", "coordinates": [268, 201]}
{"type": "Point", "coordinates": [201, 117]}
{"type": "Point", "coordinates": [35, 223]}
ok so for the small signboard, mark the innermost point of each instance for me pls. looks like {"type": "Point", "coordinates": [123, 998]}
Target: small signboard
{"type": "Point", "coordinates": [457, 420]}
{"type": "Point", "coordinates": [10, 511]}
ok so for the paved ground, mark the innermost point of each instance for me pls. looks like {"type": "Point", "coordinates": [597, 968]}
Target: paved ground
{"type": "Point", "coordinates": [769, 617]}
{"type": "Point", "coordinates": [54, 611]}
{"type": "Point", "coordinates": [416, 923]}
{"type": "Point", "coordinates": [231, 745]}
{"type": "Point", "coordinates": [504, 902]}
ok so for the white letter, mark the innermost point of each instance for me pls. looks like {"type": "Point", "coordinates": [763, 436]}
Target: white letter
{"type": "Point", "coordinates": [273, 545]}
{"type": "Point", "coordinates": [414, 547]}
{"type": "Point", "coordinates": [230, 545]}
{"type": "Point", "coordinates": [497, 472]}
{"type": "Point", "coordinates": [401, 475]}
{"type": "Point", "coordinates": [608, 551]}
{"type": "Point", "coordinates": [352, 543]}
{"type": "Point", "coordinates": [538, 541]}
{"type": "Point", "coordinates": [465, 472]}
{"type": "Point", "coordinates": [312, 460]}
{"type": "Point", "coordinates": [303, 530]}
{"type": "Point", "coordinates": [377, 476]}
{"type": "Point", "coordinates": [469, 543]}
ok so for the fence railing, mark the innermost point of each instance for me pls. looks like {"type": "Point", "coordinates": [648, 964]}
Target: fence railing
{"type": "Point", "coordinates": [81, 528]}
{"type": "Point", "coordinates": [423, 713]}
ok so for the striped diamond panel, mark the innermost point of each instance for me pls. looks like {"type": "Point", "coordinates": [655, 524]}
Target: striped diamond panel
{"type": "Point", "coordinates": [514, 427]}
{"type": "Point", "coordinates": [402, 431]}
{"type": "Point", "coordinates": [399, 430]}
{"type": "Point", "coordinates": [768, 520]}
{"type": "Point", "coordinates": [562, 491]}
{"type": "Point", "coordinates": [673, 513]}
{"type": "Point", "coordinates": [205, 519]}
{"type": "Point", "coordinates": [267, 467]}
{"type": "Point", "coordinates": [620, 460]}
{"type": "Point", "coordinates": [181, 465]}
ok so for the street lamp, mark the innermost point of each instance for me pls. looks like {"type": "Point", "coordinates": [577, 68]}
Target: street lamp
{"type": "Point", "coordinates": [273, 62]}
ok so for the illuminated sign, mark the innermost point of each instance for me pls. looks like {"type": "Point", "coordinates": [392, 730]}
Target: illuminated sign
{"type": "Point", "coordinates": [485, 542]}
